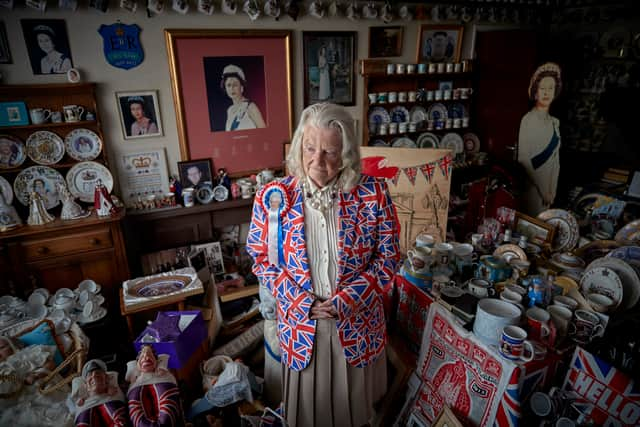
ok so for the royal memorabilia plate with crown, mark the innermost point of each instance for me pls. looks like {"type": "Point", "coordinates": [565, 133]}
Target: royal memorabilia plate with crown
{"type": "Point", "coordinates": [45, 148]}
{"type": "Point", "coordinates": [6, 190]}
{"type": "Point", "coordinates": [12, 152]}
{"type": "Point", "coordinates": [602, 280]}
{"type": "Point", "coordinates": [83, 177]}
{"type": "Point", "coordinates": [41, 179]}
{"type": "Point", "coordinates": [567, 230]}
{"type": "Point", "coordinates": [628, 276]}
{"type": "Point", "coordinates": [83, 144]}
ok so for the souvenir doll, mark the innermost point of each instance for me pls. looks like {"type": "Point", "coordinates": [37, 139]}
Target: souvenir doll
{"type": "Point", "coordinates": [154, 398]}
{"type": "Point", "coordinates": [102, 201]}
{"type": "Point", "coordinates": [97, 398]}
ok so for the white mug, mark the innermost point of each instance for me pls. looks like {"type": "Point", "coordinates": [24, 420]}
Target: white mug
{"type": "Point", "coordinates": [420, 259]}
{"type": "Point", "coordinates": [481, 288]}
{"type": "Point", "coordinates": [424, 239]}
{"type": "Point", "coordinates": [39, 115]}
{"type": "Point", "coordinates": [437, 95]}
{"type": "Point", "coordinates": [373, 97]}
{"type": "Point", "coordinates": [440, 67]}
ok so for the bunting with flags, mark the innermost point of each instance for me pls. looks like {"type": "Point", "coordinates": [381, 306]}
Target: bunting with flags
{"type": "Point", "coordinates": [411, 173]}
{"type": "Point", "coordinates": [427, 170]}
{"type": "Point", "coordinates": [446, 164]}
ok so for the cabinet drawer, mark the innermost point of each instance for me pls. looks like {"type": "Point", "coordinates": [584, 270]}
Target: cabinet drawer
{"type": "Point", "coordinates": [36, 249]}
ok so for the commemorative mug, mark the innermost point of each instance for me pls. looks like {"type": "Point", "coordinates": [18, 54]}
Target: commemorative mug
{"type": "Point", "coordinates": [56, 116]}
{"type": "Point", "coordinates": [560, 316]}
{"type": "Point", "coordinates": [411, 68]}
{"type": "Point", "coordinates": [446, 94]}
{"type": "Point", "coordinates": [402, 127]}
{"type": "Point", "coordinates": [424, 239]}
{"type": "Point", "coordinates": [413, 126]}
{"type": "Point", "coordinates": [391, 68]}
{"type": "Point", "coordinates": [457, 123]}
{"type": "Point", "coordinates": [437, 95]}
{"type": "Point", "coordinates": [39, 115]}
{"type": "Point", "coordinates": [420, 259]}
{"type": "Point", "coordinates": [400, 68]}
{"type": "Point", "coordinates": [448, 123]}
{"type": "Point", "coordinates": [540, 326]}
{"type": "Point", "coordinates": [600, 303]}
{"type": "Point", "coordinates": [422, 68]}
{"type": "Point", "coordinates": [457, 67]}
{"type": "Point", "coordinates": [382, 97]}
{"type": "Point", "coordinates": [432, 68]}
{"type": "Point", "coordinates": [443, 252]}
{"type": "Point", "coordinates": [393, 128]}
{"type": "Point", "coordinates": [465, 92]}
{"type": "Point", "coordinates": [449, 67]}
{"type": "Point", "coordinates": [464, 256]}
{"type": "Point", "coordinates": [514, 344]}
{"type": "Point", "coordinates": [565, 301]}
{"type": "Point", "coordinates": [440, 67]}
{"type": "Point", "coordinates": [450, 293]}
{"type": "Point", "coordinates": [481, 288]}
{"type": "Point", "coordinates": [187, 197]}
{"type": "Point", "coordinates": [456, 94]}
{"type": "Point", "coordinates": [465, 122]}
{"type": "Point", "coordinates": [430, 95]}
{"type": "Point", "coordinates": [373, 97]}
{"type": "Point", "coordinates": [393, 96]}
{"type": "Point", "coordinates": [383, 128]}
{"type": "Point", "coordinates": [441, 281]}
{"type": "Point", "coordinates": [72, 113]}
{"type": "Point", "coordinates": [585, 326]}
{"type": "Point", "coordinates": [412, 96]}
{"type": "Point", "coordinates": [402, 96]}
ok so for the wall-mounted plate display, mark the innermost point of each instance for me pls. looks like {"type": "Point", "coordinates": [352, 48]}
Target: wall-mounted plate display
{"type": "Point", "coordinates": [12, 152]}
{"type": "Point", "coordinates": [83, 177]}
{"type": "Point", "coordinates": [41, 179]}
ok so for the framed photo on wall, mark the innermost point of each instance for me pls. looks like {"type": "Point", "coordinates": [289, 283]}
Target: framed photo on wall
{"type": "Point", "coordinates": [439, 43]}
{"type": "Point", "coordinates": [385, 41]}
{"type": "Point", "coordinates": [47, 45]}
{"type": "Point", "coordinates": [139, 114]}
{"type": "Point", "coordinates": [232, 93]}
{"type": "Point", "coordinates": [5, 52]}
{"type": "Point", "coordinates": [329, 67]}
{"type": "Point", "coordinates": [195, 172]}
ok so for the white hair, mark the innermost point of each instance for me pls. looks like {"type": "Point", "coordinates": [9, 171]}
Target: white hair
{"type": "Point", "coordinates": [328, 116]}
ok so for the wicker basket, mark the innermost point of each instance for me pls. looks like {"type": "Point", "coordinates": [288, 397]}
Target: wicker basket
{"type": "Point", "coordinates": [12, 383]}
{"type": "Point", "coordinates": [74, 360]}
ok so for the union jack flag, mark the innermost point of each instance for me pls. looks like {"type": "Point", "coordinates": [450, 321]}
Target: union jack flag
{"type": "Point", "coordinates": [427, 170]}
{"type": "Point", "coordinates": [411, 174]}
{"type": "Point", "coordinates": [155, 404]}
{"type": "Point", "coordinates": [446, 164]}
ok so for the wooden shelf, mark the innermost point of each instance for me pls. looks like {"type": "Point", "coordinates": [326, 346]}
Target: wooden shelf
{"type": "Point", "coordinates": [149, 215]}
{"type": "Point", "coordinates": [247, 291]}
{"type": "Point", "coordinates": [414, 76]}
{"type": "Point", "coordinates": [415, 104]}
{"type": "Point", "coordinates": [49, 125]}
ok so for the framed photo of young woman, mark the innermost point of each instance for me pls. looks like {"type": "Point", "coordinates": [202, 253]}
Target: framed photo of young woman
{"type": "Point", "coordinates": [139, 114]}
{"type": "Point", "coordinates": [232, 95]}
{"type": "Point", "coordinates": [329, 67]}
{"type": "Point", "coordinates": [47, 45]}
{"type": "Point", "coordinates": [439, 43]}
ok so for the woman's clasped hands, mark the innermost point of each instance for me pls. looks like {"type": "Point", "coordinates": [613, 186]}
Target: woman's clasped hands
{"type": "Point", "coordinates": [323, 310]}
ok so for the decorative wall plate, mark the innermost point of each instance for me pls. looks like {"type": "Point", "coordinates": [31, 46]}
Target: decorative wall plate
{"type": "Point", "coordinates": [379, 115]}
{"type": "Point", "coordinates": [403, 142]}
{"type": "Point", "coordinates": [220, 193]}
{"type": "Point", "coordinates": [158, 286]}
{"type": "Point", "coordinates": [452, 141]}
{"type": "Point", "coordinates": [12, 152]}
{"type": "Point", "coordinates": [45, 180]}
{"type": "Point", "coordinates": [6, 190]}
{"type": "Point", "coordinates": [602, 280]}
{"type": "Point", "coordinates": [628, 277]}
{"type": "Point", "coordinates": [629, 233]}
{"type": "Point", "coordinates": [567, 230]}
{"type": "Point", "coordinates": [510, 251]}
{"type": "Point", "coordinates": [380, 143]}
{"type": "Point", "coordinates": [457, 111]}
{"type": "Point", "coordinates": [428, 140]}
{"type": "Point", "coordinates": [418, 114]}
{"type": "Point", "coordinates": [83, 144]}
{"type": "Point", "coordinates": [400, 114]}
{"type": "Point", "coordinates": [45, 148]}
{"type": "Point", "coordinates": [471, 142]}
{"type": "Point", "coordinates": [204, 194]}
{"type": "Point", "coordinates": [83, 177]}
{"type": "Point", "coordinates": [437, 111]}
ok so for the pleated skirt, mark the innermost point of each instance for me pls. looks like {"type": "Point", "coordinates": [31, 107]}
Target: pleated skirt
{"type": "Point", "coordinates": [330, 392]}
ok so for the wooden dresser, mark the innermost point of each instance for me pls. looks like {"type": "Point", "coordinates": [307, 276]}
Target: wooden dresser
{"type": "Point", "coordinates": [62, 254]}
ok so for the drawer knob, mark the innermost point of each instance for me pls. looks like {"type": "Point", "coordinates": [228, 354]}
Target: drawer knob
{"type": "Point", "coordinates": [42, 250]}
{"type": "Point", "coordinates": [94, 241]}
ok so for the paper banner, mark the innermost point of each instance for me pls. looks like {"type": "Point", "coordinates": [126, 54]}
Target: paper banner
{"type": "Point", "coordinates": [427, 171]}
{"type": "Point", "coordinates": [396, 177]}
{"type": "Point", "coordinates": [411, 174]}
{"type": "Point", "coordinates": [445, 163]}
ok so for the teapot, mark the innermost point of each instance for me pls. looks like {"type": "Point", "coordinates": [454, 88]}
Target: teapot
{"type": "Point", "coordinates": [265, 177]}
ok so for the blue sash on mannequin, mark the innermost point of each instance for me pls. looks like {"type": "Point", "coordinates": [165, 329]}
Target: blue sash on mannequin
{"type": "Point", "coordinates": [540, 159]}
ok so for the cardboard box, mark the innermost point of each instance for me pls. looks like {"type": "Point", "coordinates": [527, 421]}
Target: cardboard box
{"type": "Point", "coordinates": [606, 396]}
{"type": "Point", "coordinates": [185, 345]}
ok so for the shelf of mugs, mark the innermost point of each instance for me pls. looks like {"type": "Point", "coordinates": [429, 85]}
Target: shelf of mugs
{"type": "Point", "coordinates": [417, 132]}
{"type": "Point", "coordinates": [415, 103]}
{"type": "Point", "coordinates": [78, 123]}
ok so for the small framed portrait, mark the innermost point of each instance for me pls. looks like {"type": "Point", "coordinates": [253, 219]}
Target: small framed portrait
{"type": "Point", "coordinates": [445, 85]}
{"type": "Point", "coordinates": [329, 67]}
{"type": "Point", "coordinates": [537, 231]}
{"type": "Point", "coordinates": [385, 41]}
{"type": "Point", "coordinates": [13, 114]}
{"type": "Point", "coordinates": [139, 114]}
{"type": "Point", "coordinates": [439, 43]}
{"type": "Point", "coordinates": [5, 53]}
{"type": "Point", "coordinates": [194, 173]}
{"type": "Point", "coordinates": [47, 45]}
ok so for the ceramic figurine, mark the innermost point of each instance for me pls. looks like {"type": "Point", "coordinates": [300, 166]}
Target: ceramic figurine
{"type": "Point", "coordinates": [229, 7]}
{"type": "Point", "coordinates": [251, 8]}
{"type": "Point", "coordinates": [102, 201]}
{"type": "Point", "coordinates": [38, 214]}
{"type": "Point", "coordinates": [272, 9]}
{"type": "Point", "coordinates": [154, 398]}
{"type": "Point", "coordinates": [9, 218]}
{"type": "Point", "coordinates": [70, 209]}
{"type": "Point", "coordinates": [97, 398]}
{"type": "Point", "coordinates": [223, 179]}
{"type": "Point", "coordinates": [292, 8]}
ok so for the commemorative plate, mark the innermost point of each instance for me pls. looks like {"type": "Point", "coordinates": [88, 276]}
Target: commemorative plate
{"type": "Point", "coordinates": [418, 114]}
{"type": "Point", "coordinates": [45, 148]}
{"type": "Point", "coordinates": [457, 111]}
{"type": "Point", "coordinates": [7, 191]}
{"type": "Point", "coordinates": [437, 111]}
{"type": "Point", "coordinates": [428, 140]}
{"type": "Point", "coordinates": [12, 152]}
{"type": "Point", "coordinates": [83, 177]}
{"type": "Point", "coordinates": [43, 180]}
{"type": "Point", "coordinates": [628, 276]}
{"type": "Point", "coordinates": [629, 233]}
{"type": "Point", "coordinates": [379, 143]}
{"type": "Point", "coordinates": [602, 280]}
{"type": "Point", "coordinates": [83, 144]}
{"type": "Point", "coordinates": [471, 142]}
{"type": "Point", "coordinates": [629, 254]}
{"type": "Point", "coordinates": [379, 115]}
{"type": "Point", "coordinates": [452, 141]}
{"type": "Point", "coordinates": [399, 114]}
{"type": "Point", "coordinates": [567, 230]}
{"type": "Point", "coordinates": [403, 142]}
{"type": "Point", "coordinates": [158, 286]}
{"type": "Point", "coordinates": [510, 251]}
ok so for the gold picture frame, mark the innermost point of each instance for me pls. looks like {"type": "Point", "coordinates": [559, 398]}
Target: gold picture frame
{"type": "Point", "coordinates": [537, 231]}
{"type": "Point", "coordinates": [439, 43]}
{"type": "Point", "coordinates": [447, 419]}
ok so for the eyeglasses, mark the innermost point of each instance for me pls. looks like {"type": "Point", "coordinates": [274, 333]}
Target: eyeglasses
{"type": "Point", "coordinates": [310, 151]}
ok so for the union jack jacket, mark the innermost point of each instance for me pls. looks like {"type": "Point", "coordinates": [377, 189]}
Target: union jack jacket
{"type": "Point", "coordinates": [368, 253]}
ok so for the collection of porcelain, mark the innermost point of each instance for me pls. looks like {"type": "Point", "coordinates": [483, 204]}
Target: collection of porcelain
{"type": "Point", "coordinates": [83, 305]}
{"type": "Point", "coordinates": [529, 301]}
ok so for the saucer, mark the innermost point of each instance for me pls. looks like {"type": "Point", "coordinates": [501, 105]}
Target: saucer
{"type": "Point", "coordinates": [95, 316]}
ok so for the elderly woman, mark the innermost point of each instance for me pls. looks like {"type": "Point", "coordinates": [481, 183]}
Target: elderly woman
{"type": "Point", "coordinates": [325, 254]}
{"type": "Point", "coordinates": [539, 140]}
{"type": "Point", "coordinates": [243, 113]}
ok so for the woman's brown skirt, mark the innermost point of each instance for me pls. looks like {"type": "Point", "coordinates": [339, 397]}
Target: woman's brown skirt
{"type": "Point", "coordinates": [330, 392]}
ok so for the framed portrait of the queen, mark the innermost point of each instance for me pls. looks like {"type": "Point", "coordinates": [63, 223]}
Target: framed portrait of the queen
{"type": "Point", "coordinates": [139, 114]}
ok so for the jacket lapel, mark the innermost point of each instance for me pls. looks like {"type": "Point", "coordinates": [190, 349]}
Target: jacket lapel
{"type": "Point", "coordinates": [346, 232]}
{"type": "Point", "coordinates": [295, 248]}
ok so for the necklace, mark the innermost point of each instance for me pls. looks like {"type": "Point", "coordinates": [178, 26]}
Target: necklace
{"type": "Point", "coordinates": [321, 198]}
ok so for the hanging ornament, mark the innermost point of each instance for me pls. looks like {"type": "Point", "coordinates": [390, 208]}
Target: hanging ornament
{"type": "Point", "coordinates": [155, 6]}
{"type": "Point", "coordinates": [102, 201]}
{"type": "Point", "coordinates": [121, 45]}
{"type": "Point", "coordinates": [292, 8]}
{"type": "Point", "coordinates": [251, 8]}
{"type": "Point", "coordinates": [229, 7]}
{"type": "Point", "coordinates": [272, 9]}
{"type": "Point", "coordinates": [9, 218]}
{"type": "Point", "coordinates": [206, 7]}
{"type": "Point", "coordinates": [70, 209]}
{"type": "Point", "coordinates": [180, 6]}
{"type": "Point", "coordinates": [38, 214]}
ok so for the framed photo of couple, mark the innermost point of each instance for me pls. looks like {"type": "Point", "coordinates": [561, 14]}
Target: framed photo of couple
{"type": "Point", "coordinates": [235, 105]}
{"type": "Point", "coordinates": [439, 43]}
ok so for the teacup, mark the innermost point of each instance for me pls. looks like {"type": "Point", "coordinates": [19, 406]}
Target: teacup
{"type": "Point", "coordinates": [481, 288]}
{"type": "Point", "coordinates": [464, 257]}
{"type": "Point", "coordinates": [442, 252]}
{"type": "Point", "coordinates": [560, 316]}
{"type": "Point", "coordinates": [88, 285]}
{"type": "Point", "coordinates": [39, 115]}
{"type": "Point", "coordinates": [540, 326]}
{"type": "Point", "coordinates": [514, 344]}
{"type": "Point", "coordinates": [64, 302]}
{"type": "Point", "coordinates": [585, 326]}
{"type": "Point", "coordinates": [420, 259]}
{"type": "Point", "coordinates": [600, 303]}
